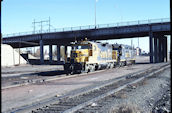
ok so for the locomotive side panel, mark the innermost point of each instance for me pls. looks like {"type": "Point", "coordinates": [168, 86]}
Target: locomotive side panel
{"type": "Point", "coordinates": [128, 55]}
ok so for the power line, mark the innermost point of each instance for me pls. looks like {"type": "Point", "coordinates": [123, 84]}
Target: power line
{"type": "Point", "coordinates": [41, 24]}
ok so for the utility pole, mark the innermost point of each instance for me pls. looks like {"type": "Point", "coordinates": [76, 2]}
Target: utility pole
{"type": "Point", "coordinates": [170, 33]}
{"type": "Point", "coordinates": [41, 24]}
{"type": "Point", "coordinates": [19, 51]}
{"type": "Point", "coordinates": [95, 12]}
{"type": "Point", "coordinates": [132, 46]}
{"type": "Point", "coordinates": [0, 21]}
{"type": "Point", "coordinates": [49, 24]}
{"type": "Point", "coordinates": [33, 26]}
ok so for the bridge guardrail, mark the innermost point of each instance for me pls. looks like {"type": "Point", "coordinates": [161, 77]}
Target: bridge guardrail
{"type": "Point", "coordinates": [89, 27]}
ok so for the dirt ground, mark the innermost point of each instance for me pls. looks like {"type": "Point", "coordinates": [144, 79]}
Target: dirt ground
{"type": "Point", "coordinates": [28, 69]}
{"type": "Point", "coordinates": [19, 96]}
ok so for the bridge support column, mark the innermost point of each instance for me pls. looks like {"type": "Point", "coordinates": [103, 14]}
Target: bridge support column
{"type": "Point", "coordinates": [151, 46]}
{"type": "Point", "coordinates": [155, 50]}
{"type": "Point", "coordinates": [160, 49]}
{"type": "Point", "coordinates": [65, 51]}
{"type": "Point", "coordinates": [165, 49]}
{"type": "Point", "coordinates": [158, 52]}
{"type": "Point", "coordinates": [58, 53]}
{"type": "Point", "coordinates": [50, 53]}
{"type": "Point", "coordinates": [41, 51]}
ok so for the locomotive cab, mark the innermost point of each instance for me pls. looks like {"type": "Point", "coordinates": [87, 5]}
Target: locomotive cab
{"type": "Point", "coordinates": [79, 56]}
{"type": "Point", "coordinates": [81, 52]}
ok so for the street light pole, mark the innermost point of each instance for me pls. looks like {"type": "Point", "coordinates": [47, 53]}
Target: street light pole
{"type": "Point", "coordinates": [0, 22]}
{"type": "Point", "coordinates": [95, 13]}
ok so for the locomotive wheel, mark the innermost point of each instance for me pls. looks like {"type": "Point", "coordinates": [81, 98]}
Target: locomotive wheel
{"type": "Point", "coordinates": [71, 70]}
{"type": "Point", "coordinates": [93, 68]}
{"type": "Point", "coordinates": [87, 68]}
{"type": "Point", "coordinates": [108, 66]}
{"type": "Point", "coordinates": [120, 64]}
{"type": "Point", "coordinates": [133, 62]}
{"type": "Point", "coordinates": [111, 65]}
{"type": "Point", "coordinates": [125, 63]}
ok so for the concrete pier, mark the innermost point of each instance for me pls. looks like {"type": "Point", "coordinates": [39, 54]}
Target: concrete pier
{"type": "Point", "coordinates": [151, 46]}
{"type": "Point", "coordinates": [65, 51]}
{"type": "Point", "coordinates": [166, 50]}
{"type": "Point", "coordinates": [155, 50]}
{"type": "Point", "coordinates": [158, 47]}
{"type": "Point", "coordinates": [58, 52]}
{"type": "Point", "coordinates": [50, 53]}
{"type": "Point", "coordinates": [41, 51]}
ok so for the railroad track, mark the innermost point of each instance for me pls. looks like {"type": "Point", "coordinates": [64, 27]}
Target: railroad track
{"type": "Point", "coordinates": [16, 81]}
{"type": "Point", "coordinates": [27, 79]}
{"type": "Point", "coordinates": [11, 82]}
{"type": "Point", "coordinates": [80, 101]}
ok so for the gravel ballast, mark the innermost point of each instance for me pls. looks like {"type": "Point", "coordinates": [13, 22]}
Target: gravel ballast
{"type": "Point", "coordinates": [152, 95]}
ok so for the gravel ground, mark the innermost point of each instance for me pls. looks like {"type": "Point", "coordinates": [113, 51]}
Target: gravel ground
{"type": "Point", "coordinates": [20, 96]}
{"type": "Point", "coordinates": [145, 95]}
{"type": "Point", "coordinates": [149, 96]}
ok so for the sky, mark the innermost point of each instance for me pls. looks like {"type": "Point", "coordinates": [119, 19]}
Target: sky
{"type": "Point", "coordinates": [18, 15]}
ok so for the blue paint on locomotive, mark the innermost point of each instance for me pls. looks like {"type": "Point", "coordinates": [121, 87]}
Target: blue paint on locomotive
{"type": "Point", "coordinates": [106, 49]}
{"type": "Point", "coordinates": [127, 49]}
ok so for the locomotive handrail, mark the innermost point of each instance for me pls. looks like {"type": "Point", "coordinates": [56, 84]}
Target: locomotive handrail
{"type": "Point", "coordinates": [88, 27]}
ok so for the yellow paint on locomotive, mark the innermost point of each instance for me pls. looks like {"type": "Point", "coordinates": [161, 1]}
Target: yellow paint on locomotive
{"type": "Point", "coordinates": [127, 55]}
{"type": "Point", "coordinates": [114, 54]}
{"type": "Point", "coordinates": [90, 56]}
{"type": "Point", "coordinates": [81, 55]}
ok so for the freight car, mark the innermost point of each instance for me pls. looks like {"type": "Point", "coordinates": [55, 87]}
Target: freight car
{"type": "Point", "coordinates": [88, 56]}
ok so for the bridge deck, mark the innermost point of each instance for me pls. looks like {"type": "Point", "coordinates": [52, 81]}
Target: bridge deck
{"type": "Point", "coordinates": [102, 32]}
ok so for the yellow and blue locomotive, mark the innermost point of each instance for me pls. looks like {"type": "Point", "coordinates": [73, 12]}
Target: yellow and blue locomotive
{"type": "Point", "coordinates": [88, 56]}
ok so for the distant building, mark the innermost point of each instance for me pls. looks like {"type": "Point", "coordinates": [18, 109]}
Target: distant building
{"type": "Point", "coordinates": [138, 51]}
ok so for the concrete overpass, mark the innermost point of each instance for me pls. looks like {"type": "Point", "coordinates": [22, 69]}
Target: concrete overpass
{"type": "Point", "coordinates": [156, 29]}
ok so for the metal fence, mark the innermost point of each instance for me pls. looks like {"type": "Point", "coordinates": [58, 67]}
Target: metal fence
{"type": "Point", "coordinates": [149, 21]}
